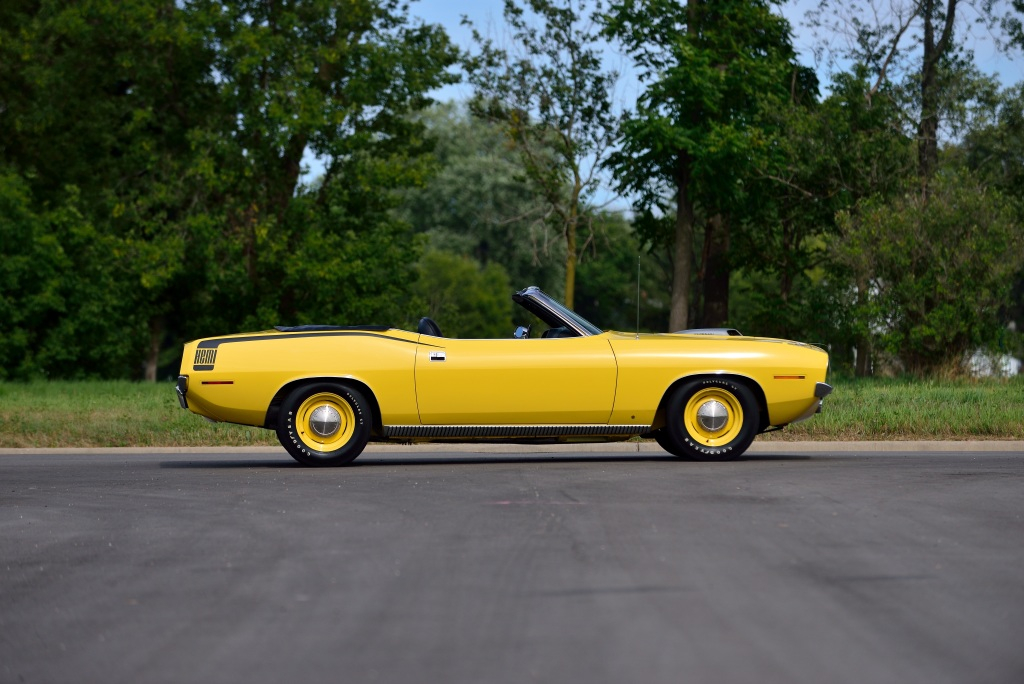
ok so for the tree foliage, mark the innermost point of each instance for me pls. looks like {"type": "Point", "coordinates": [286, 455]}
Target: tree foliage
{"type": "Point", "coordinates": [154, 181]}
{"type": "Point", "coordinates": [100, 120]}
{"type": "Point", "coordinates": [551, 96]}
{"type": "Point", "coordinates": [339, 82]}
{"type": "Point", "coordinates": [827, 156]}
{"type": "Point", "coordinates": [940, 268]}
{"type": "Point", "coordinates": [476, 204]}
{"type": "Point", "coordinates": [66, 291]}
{"type": "Point", "coordinates": [465, 299]}
{"type": "Point", "coordinates": [179, 140]}
{"type": "Point", "coordinates": [912, 44]}
{"type": "Point", "coordinates": [708, 68]}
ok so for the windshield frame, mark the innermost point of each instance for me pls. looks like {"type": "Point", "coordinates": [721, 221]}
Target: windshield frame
{"type": "Point", "coordinates": [553, 313]}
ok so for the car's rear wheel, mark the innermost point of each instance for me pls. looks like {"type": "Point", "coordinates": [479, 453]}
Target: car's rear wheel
{"type": "Point", "coordinates": [664, 440]}
{"type": "Point", "coordinates": [711, 419]}
{"type": "Point", "coordinates": [324, 424]}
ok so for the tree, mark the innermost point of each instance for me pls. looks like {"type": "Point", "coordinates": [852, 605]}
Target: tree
{"type": "Point", "coordinates": [607, 293]}
{"type": "Point", "coordinates": [339, 82]}
{"type": "Point", "coordinates": [108, 114]}
{"type": "Point", "coordinates": [67, 295]}
{"type": "Point", "coordinates": [176, 142]}
{"type": "Point", "coordinates": [552, 97]}
{"type": "Point", "coordinates": [826, 156]}
{"type": "Point", "coordinates": [1013, 26]}
{"type": "Point", "coordinates": [993, 149]}
{"type": "Point", "coordinates": [941, 269]}
{"type": "Point", "coordinates": [708, 66]}
{"type": "Point", "coordinates": [465, 299]}
{"type": "Point", "coordinates": [475, 203]}
{"type": "Point", "coordinates": [911, 42]}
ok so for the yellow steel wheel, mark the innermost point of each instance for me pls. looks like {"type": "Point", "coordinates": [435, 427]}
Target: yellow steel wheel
{"type": "Point", "coordinates": [710, 419]}
{"type": "Point", "coordinates": [325, 422]}
{"type": "Point", "coordinates": [713, 416]}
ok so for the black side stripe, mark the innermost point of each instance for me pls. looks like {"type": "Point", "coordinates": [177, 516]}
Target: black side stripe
{"type": "Point", "coordinates": [214, 343]}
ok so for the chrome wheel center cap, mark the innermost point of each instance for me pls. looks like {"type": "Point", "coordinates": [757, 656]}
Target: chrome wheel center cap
{"type": "Point", "coordinates": [325, 421]}
{"type": "Point", "coordinates": [712, 415]}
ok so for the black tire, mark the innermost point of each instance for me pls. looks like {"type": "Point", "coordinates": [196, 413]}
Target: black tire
{"type": "Point", "coordinates": [663, 440]}
{"type": "Point", "coordinates": [328, 445]}
{"type": "Point", "coordinates": [685, 436]}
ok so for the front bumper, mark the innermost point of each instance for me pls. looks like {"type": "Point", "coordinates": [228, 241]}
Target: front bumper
{"type": "Point", "coordinates": [182, 389]}
{"type": "Point", "coordinates": [821, 390]}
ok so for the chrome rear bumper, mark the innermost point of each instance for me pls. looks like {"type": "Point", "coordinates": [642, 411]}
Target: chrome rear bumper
{"type": "Point", "coordinates": [181, 388]}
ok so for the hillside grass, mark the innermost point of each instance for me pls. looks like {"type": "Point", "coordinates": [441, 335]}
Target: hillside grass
{"type": "Point", "coordinates": [61, 414]}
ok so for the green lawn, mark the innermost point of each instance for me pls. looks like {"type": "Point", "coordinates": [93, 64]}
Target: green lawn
{"type": "Point", "coordinates": [880, 409]}
{"type": "Point", "coordinates": [106, 414]}
{"type": "Point", "coordinates": [109, 413]}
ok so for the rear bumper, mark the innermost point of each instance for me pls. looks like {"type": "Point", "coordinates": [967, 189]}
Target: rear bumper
{"type": "Point", "coordinates": [181, 388]}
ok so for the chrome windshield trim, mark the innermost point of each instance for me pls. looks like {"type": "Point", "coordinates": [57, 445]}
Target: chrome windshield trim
{"type": "Point", "coordinates": [538, 298]}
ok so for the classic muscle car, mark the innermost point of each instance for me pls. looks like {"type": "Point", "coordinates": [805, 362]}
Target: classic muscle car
{"type": "Point", "coordinates": [328, 390]}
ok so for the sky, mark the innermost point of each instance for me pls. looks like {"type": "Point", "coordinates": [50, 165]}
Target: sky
{"type": "Point", "coordinates": [487, 16]}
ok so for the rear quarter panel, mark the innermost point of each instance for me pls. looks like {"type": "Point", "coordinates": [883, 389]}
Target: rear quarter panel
{"type": "Point", "coordinates": [649, 366]}
{"type": "Point", "coordinates": [258, 365]}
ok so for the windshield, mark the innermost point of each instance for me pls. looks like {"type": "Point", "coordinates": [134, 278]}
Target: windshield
{"type": "Point", "coordinates": [567, 314]}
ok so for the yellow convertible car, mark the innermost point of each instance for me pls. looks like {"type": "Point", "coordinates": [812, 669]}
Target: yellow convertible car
{"type": "Point", "coordinates": [328, 390]}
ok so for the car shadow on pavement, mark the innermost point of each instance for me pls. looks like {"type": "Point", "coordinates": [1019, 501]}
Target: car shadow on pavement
{"type": "Point", "coordinates": [471, 460]}
{"type": "Point", "coordinates": [200, 464]}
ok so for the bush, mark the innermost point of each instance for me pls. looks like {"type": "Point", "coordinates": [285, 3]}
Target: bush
{"type": "Point", "coordinates": [936, 269]}
{"type": "Point", "coordinates": [465, 299]}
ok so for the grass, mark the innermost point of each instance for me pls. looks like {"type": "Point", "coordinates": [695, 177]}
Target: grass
{"type": "Point", "coordinates": [120, 413]}
{"type": "Point", "coordinates": [902, 409]}
{"type": "Point", "coordinates": [110, 414]}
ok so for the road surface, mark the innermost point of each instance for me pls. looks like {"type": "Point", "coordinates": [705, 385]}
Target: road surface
{"type": "Point", "coordinates": [513, 567]}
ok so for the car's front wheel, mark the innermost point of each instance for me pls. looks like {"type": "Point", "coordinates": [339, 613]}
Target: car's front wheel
{"type": "Point", "coordinates": [710, 419]}
{"type": "Point", "coordinates": [324, 424]}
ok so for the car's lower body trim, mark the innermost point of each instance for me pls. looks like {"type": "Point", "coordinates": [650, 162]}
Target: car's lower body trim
{"type": "Point", "coordinates": [458, 431]}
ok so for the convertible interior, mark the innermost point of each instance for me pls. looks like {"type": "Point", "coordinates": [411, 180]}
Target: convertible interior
{"type": "Point", "coordinates": [560, 321]}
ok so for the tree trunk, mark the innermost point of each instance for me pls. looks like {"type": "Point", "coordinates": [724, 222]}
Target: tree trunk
{"type": "Point", "coordinates": [863, 369]}
{"type": "Point", "coordinates": [156, 336]}
{"type": "Point", "coordinates": [290, 169]}
{"type": "Point", "coordinates": [863, 341]}
{"type": "Point", "coordinates": [683, 255]}
{"type": "Point", "coordinates": [786, 276]}
{"type": "Point", "coordinates": [570, 262]}
{"type": "Point", "coordinates": [928, 127]}
{"type": "Point", "coordinates": [716, 272]}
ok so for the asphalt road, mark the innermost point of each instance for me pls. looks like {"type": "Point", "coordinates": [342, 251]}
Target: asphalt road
{"type": "Point", "coordinates": [516, 567]}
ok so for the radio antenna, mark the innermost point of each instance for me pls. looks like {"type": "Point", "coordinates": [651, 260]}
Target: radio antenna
{"type": "Point", "coordinates": [638, 296]}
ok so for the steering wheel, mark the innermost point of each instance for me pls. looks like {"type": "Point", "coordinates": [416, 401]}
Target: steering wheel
{"type": "Point", "coordinates": [522, 333]}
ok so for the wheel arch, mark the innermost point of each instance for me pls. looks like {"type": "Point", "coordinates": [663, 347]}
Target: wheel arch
{"type": "Point", "coordinates": [748, 382]}
{"type": "Point", "coordinates": [270, 422]}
